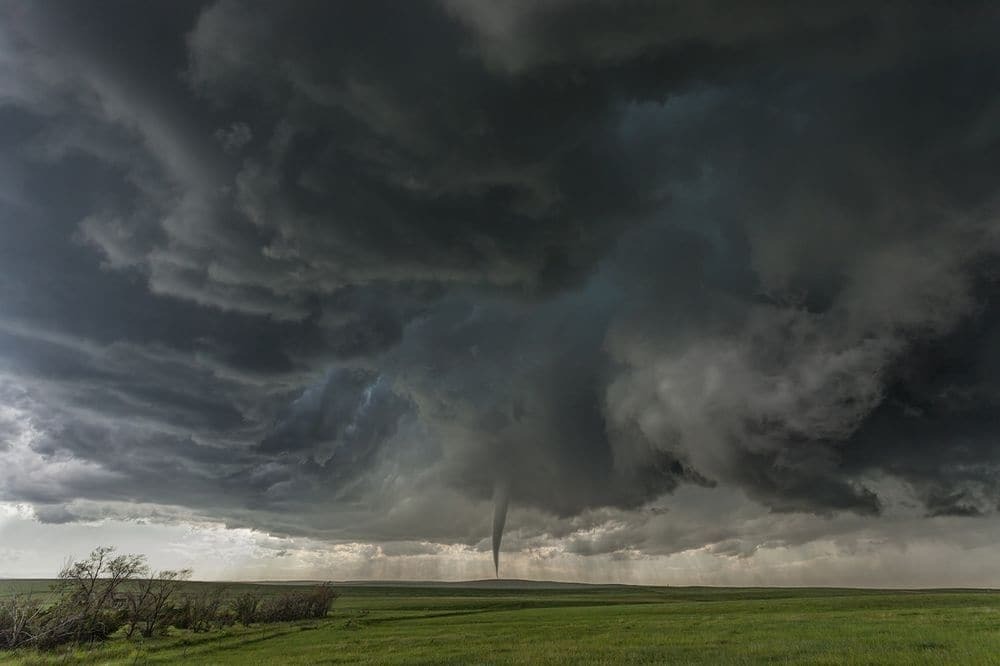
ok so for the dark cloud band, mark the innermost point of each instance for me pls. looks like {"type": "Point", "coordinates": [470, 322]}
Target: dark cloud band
{"type": "Point", "coordinates": [323, 268]}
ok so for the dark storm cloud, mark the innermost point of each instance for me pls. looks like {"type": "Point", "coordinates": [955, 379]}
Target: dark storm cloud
{"type": "Point", "coordinates": [344, 269]}
{"type": "Point", "coordinates": [391, 156]}
{"type": "Point", "coordinates": [340, 422]}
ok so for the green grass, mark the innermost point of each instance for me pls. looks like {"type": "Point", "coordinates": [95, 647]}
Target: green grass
{"type": "Point", "coordinates": [408, 625]}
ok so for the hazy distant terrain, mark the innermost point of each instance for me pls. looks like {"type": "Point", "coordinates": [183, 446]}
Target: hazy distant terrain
{"type": "Point", "coordinates": [486, 584]}
{"type": "Point", "coordinates": [506, 622]}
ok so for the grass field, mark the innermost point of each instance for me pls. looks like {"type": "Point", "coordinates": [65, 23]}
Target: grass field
{"type": "Point", "coordinates": [569, 625]}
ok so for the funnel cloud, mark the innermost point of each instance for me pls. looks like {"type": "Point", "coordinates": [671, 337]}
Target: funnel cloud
{"type": "Point", "coordinates": [500, 499]}
{"type": "Point", "coordinates": [713, 280]}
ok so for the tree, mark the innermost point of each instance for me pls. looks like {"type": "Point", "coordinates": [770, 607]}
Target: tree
{"type": "Point", "coordinates": [310, 603]}
{"type": "Point", "coordinates": [203, 610]}
{"type": "Point", "coordinates": [20, 617]}
{"type": "Point", "coordinates": [246, 606]}
{"type": "Point", "coordinates": [90, 588]}
{"type": "Point", "coordinates": [148, 601]}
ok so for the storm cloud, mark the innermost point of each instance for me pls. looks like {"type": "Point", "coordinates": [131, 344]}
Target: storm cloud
{"type": "Point", "coordinates": [341, 270]}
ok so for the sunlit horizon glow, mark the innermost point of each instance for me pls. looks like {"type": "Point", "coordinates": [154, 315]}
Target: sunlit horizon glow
{"type": "Point", "coordinates": [218, 553]}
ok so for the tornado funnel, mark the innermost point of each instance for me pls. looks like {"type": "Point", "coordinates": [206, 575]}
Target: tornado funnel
{"type": "Point", "coordinates": [499, 519]}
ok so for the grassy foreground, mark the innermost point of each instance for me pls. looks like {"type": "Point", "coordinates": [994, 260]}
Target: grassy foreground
{"type": "Point", "coordinates": [407, 625]}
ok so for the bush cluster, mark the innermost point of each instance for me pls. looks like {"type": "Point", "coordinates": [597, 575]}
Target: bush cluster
{"type": "Point", "coordinates": [310, 603]}
{"type": "Point", "coordinates": [89, 604]}
{"type": "Point", "coordinates": [203, 611]}
{"type": "Point", "coordinates": [105, 593]}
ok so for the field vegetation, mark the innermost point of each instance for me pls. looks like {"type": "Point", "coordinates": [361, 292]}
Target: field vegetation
{"type": "Point", "coordinates": [509, 623]}
{"type": "Point", "coordinates": [107, 594]}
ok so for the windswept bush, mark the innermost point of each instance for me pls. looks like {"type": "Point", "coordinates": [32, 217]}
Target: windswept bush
{"type": "Point", "coordinates": [91, 607]}
{"type": "Point", "coordinates": [207, 610]}
{"type": "Point", "coordinates": [67, 622]}
{"type": "Point", "coordinates": [27, 622]}
{"type": "Point", "coordinates": [311, 603]}
{"type": "Point", "coordinates": [88, 606]}
{"type": "Point", "coordinates": [97, 596]}
{"type": "Point", "coordinates": [246, 606]}
{"type": "Point", "coordinates": [203, 611]}
{"type": "Point", "coordinates": [149, 602]}
{"type": "Point", "coordinates": [20, 620]}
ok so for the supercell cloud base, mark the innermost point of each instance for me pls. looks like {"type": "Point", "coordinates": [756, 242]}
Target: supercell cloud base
{"type": "Point", "coordinates": [702, 292]}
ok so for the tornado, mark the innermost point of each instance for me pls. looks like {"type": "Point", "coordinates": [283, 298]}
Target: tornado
{"type": "Point", "coordinates": [500, 498]}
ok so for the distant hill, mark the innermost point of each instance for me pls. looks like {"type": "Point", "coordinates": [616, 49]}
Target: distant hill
{"type": "Point", "coordinates": [483, 584]}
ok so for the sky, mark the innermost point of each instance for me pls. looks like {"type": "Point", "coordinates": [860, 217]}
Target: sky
{"type": "Point", "coordinates": [645, 292]}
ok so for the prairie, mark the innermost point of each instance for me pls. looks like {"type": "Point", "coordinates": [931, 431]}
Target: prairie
{"type": "Point", "coordinates": [518, 623]}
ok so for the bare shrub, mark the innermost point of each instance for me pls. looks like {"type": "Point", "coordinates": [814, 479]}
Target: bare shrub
{"type": "Point", "coordinates": [203, 611]}
{"type": "Point", "coordinates": [93, 582]}
{"type": "Point", "coordinates": [319, 600]}
{"type": "Point", "coordinates": [148, 602]}
{"type": "Point", "coordinates": [104, 592]}
{"type": "Point", "coordinates": [20, 620]}
{"type": "Point", "coordinates": [246, 606]}
{"type": "Point", "coordinates": [307, 604]}
{"type": "Point", "coordinates": [67, 622]}
{"type": "Point", "coordinates": [88, 607]}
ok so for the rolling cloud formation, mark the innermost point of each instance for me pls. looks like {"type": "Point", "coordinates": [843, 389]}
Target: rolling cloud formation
{"type": "Point", "coordinates": [342, 270]}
